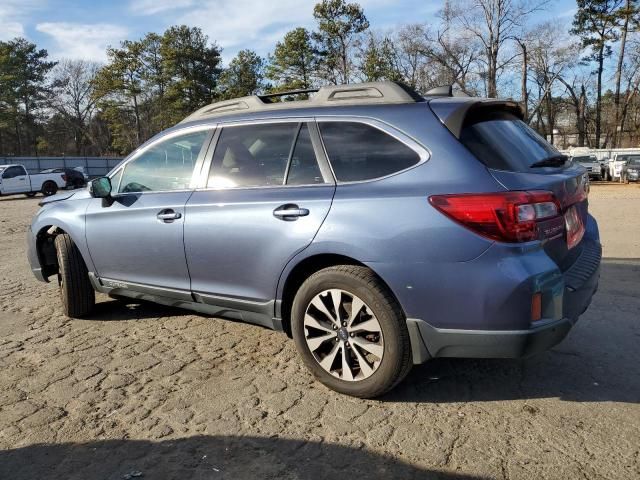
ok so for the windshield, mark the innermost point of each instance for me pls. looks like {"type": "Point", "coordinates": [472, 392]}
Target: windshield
{"type": "Point", "coordinates": [502, 141]}
{"type": "Point", "coordinates": [634, 160]}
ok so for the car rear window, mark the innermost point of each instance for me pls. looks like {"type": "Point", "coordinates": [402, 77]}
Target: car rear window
{"type": "Point", "coordinates": [502, 141]}
{"type": "Point", "coordinates": [358, 151]}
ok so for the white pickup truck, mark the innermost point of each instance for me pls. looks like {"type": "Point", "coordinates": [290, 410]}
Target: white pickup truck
{"type": "Point", "coordinates": [616, 164]}
{"type": "Point", "coordinates": [14, 179]}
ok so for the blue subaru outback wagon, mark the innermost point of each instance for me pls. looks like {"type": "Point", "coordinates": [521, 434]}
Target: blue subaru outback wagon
{"type": "Point", "coordinates": [376, 227]}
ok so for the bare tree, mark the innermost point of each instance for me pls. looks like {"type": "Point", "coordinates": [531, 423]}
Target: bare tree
{"type": "Point", "coordinates": [456, 52]}
{"type": "Point", "coordinates": [72, 99]}
{"type": "Point", "coordinates": [411, 47]}
{"type": "Point", "coordinates": [629, 19]}
{"type": "Point", "coordinates": [577, 91]}
{"type": "Point", "coordinates": [630, 75]}
{"type": "Point", "coordinates": [426, 58]}
{"type": "Point", "coordinates": [494, 23]}
{"type": "Point", "coordinates": [550, 55]}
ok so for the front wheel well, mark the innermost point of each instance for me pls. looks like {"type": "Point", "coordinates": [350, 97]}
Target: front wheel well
{"type": "Point", "coordinates": [304, 270]}
{"type": "Point", "coordinates": [46, 248]}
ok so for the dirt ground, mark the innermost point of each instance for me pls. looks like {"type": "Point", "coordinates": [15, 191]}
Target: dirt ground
{"type": "Point", "coordinates": [143, 391]}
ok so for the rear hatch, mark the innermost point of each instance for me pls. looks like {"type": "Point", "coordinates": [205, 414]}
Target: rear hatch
{"type": "Point", "coordinates": [521, 160]}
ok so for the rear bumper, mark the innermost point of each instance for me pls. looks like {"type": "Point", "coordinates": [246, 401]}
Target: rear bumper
{"type": "Point", "coordinates": [436, 342]}
{"type": "Point", "coordinates": [580, 284]}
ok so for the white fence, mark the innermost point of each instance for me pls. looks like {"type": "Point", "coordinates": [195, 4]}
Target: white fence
{"type": "Point", "coordinates": [93, 166]}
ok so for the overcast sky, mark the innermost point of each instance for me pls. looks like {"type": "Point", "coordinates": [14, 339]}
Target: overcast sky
{"type": "Point", "coordinates": [84, 28]}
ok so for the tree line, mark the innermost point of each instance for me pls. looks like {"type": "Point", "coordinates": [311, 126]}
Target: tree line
{"type": "Point", "coordinates": [578, 87]}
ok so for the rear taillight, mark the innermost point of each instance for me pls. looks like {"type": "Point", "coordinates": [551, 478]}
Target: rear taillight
{"type": "Point", "coordinates": [64, 178]}
{"type": "Point", "coordinates": [505, 216]}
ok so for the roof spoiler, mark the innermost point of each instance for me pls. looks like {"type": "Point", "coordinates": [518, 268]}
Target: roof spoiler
{"type": "Point", "coordinates": [453, 111]}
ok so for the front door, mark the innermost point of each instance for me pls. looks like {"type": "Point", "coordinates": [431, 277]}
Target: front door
{"type": "Point", "coordinates": [137, 240]}
{"type": "Point", "coordinates": [265, 199]}
{"type": "Point", "coordinates": [15, 180]}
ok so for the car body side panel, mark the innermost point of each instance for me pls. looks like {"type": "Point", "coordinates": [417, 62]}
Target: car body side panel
{"type": "Point", "coordinates": [490, 292]}
{"type": "Point", "coordinates": [129, 243]}
{"type": "Point", "coordinates": [237, 248]}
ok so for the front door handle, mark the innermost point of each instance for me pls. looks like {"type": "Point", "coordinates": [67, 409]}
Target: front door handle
{"type": "Point", "coordinates": [290, 212]}
{"type": "Point", "coordinates": [168, 215]}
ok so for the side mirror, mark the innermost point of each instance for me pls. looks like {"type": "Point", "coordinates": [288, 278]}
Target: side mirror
{"type": "Point", "coordinates": [100, 187]}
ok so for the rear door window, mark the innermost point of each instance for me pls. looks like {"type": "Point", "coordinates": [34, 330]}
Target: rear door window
{"type": "Point", "coordinates": [502, 141]}
{"type": "Point", "coordinates": [252, 155]}
{"type": "Point", "coordinates": [358, 151]}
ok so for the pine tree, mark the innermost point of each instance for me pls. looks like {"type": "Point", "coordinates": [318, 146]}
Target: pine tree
{"type": "Point", "coordinates": [596, 23]}
{"type": "Point", "coordinates": [244, 76]}
{"type": "Point", "coordinates": [294, 62]}
{"type": "Point", "coordinates": [339, 24]}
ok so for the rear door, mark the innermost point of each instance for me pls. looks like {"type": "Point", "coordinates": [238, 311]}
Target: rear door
{"type": "Point", "coordinates": [520, 159]}
{"type": "Point", "coordinates": [15, 180]}
{"type": "Point", "coordinates": [266, 193]}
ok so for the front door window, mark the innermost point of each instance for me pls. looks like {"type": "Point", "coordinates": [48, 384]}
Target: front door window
{"type": "Point", "coordinates": [165, 166]}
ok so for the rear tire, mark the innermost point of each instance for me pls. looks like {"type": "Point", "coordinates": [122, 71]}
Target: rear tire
{"type": "Point", "coordinates": [387, 354]}
{"type": "Point", "coordinates": [76, 292]}
{"type": "Point", "coordinates": [49, 188]}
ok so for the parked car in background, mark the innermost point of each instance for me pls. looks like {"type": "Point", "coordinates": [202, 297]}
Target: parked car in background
{"type": "Point", "coordinates": [594, 167]}
{"type": "Point", "coordinates": [376, 227]}
{"type": "Point", "coordinates": [631, 169]}
{"type": "Point", "coordinates": [14, 179]}
{"type": "Point", "coordinates": [615, 164]}
{"type": "Point", "coordinates": [74, 178]}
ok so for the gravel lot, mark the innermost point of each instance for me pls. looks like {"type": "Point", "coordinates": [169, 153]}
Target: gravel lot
{"type": "Point", "coordinates": [143, 389]}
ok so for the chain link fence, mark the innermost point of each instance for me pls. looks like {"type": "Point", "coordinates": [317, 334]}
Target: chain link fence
{"type": "Point", "coordinates": [93, 166]}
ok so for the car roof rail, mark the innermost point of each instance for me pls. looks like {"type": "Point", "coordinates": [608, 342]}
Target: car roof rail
{"type": "Point", "coordinates": [370, 93]}
{"type": "Point", "coordinates": [268, 97]}
{"type": "Point", "coordinates": [441, 91]}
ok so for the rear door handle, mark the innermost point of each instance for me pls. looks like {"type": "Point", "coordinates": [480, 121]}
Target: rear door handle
{"type": "Point", "coordinates": [168, 215]}
{"type": "Point", "coordinates": [290, 212]}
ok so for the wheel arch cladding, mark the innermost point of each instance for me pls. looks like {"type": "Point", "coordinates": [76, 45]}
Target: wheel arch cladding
{"type": "Point", "coordinates": [303, 270]}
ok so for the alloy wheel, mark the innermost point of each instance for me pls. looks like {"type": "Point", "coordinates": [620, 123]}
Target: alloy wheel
{"type": "Point", "coordinates": [343, 335]}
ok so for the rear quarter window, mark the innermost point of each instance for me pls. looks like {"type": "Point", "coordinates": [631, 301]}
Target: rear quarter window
{"type": "Point", "coordinates": [358, 151]}
{"type": "Point", "coordinates": [502, 141]}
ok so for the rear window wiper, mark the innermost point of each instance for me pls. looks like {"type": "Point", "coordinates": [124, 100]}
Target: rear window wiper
{"type": "Point", "coordinates": [554, 161]}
